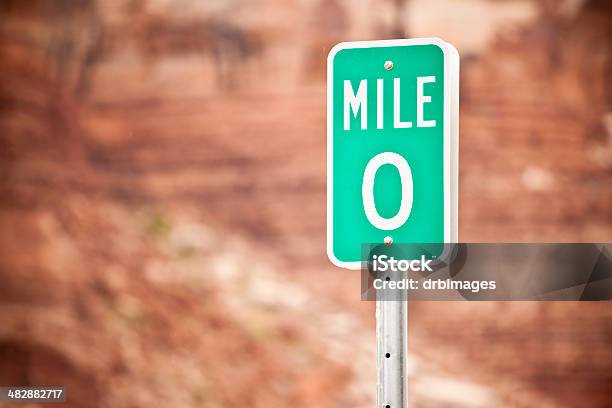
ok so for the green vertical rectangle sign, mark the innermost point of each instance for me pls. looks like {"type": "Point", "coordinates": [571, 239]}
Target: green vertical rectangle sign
{"type": "Point", "coordinates": [392, 141]}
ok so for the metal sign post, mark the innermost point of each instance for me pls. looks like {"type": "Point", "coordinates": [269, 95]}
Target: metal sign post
{"type": "Point", "coordinates": [392, 155]}
{"type": "Point", "coordinates": [392, 347]}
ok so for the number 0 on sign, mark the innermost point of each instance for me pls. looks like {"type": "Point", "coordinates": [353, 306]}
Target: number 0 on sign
{"type": "Point", "coordinates": [392, 145]}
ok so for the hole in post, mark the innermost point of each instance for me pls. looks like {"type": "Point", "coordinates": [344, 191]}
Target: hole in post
{"type": "Point", "coordinates": [388, 355]}
{"type": "Point", "coordinates": [387, 406]}
{"type": "Point", "coordinates": [387, 279]}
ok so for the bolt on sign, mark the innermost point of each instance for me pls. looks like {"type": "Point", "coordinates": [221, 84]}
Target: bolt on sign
{"type": "Point", "coordinates": [392, 145]}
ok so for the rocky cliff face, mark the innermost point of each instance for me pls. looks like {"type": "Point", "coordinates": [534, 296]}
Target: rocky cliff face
{"type": "Point", "coordinates": [162, 213]}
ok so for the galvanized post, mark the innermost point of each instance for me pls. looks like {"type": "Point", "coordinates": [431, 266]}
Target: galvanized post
{"type": "Point", "coordinates": [392, 341]}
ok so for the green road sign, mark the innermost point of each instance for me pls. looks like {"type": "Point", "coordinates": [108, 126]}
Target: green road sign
{"type": "Point", "coordinates": [392, 145]}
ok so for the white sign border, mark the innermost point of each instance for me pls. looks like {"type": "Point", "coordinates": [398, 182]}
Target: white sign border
{"type": "Point", "coordinates": [451, 135]}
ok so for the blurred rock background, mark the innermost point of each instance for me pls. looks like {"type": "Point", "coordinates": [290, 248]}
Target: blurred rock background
{"type": "Point", "coordinates": [162, 216]}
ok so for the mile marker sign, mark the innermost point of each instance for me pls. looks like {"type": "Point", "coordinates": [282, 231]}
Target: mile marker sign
{"type": "Point", "coordinates": [392, 145]}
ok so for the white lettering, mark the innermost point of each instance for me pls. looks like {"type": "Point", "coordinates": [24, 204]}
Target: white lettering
{"type": "Point", "coordinates": [397, 123]}
{"type": "Point", "coordinates": [380, 104]}
{"type": "Point", "coordinates": [422, 100]}
{"type": "Point", "coordinates": [367, 191]}
{"type": "Point", "coordinates": [356, 103]}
